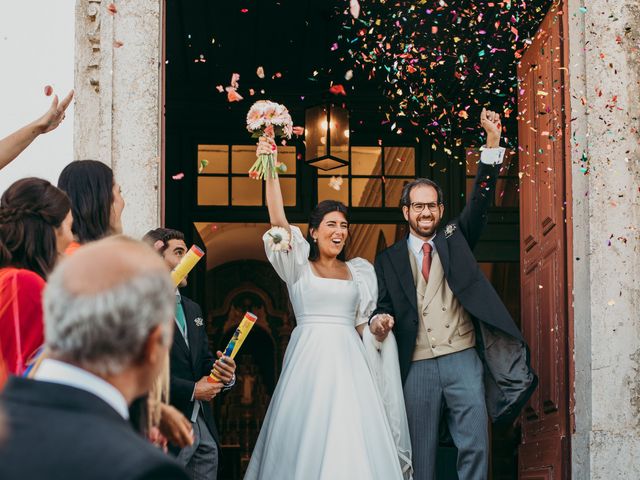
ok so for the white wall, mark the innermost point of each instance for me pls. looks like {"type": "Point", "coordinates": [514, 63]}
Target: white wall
{"type": "Point", "coordinates": [36, 49]}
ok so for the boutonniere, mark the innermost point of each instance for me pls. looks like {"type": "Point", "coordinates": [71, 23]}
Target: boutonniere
{"type": "Point", "coordinates": [199, 322]}
{"type": "Point", "coordinates": [448, 230]}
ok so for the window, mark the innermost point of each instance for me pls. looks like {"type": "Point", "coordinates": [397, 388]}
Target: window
{"type": "Point", "coordinates": [223, 179]}
{"type": "Point", "coordinates": [374, 177]}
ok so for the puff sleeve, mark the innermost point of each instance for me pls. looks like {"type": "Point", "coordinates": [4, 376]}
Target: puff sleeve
{"type": "Point", "coordinates": [289, 264]}
{"type": "Point", "coordinates": [365, 277]}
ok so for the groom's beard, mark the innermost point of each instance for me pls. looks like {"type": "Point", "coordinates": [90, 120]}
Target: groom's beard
{"type": "Point", "coordinates": [422, 231]}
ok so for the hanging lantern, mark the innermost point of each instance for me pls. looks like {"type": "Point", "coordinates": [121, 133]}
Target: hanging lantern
{"type": "Point", "coordinates": [327, 136]}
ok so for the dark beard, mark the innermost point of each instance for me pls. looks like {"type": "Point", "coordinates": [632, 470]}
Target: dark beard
{"type": "Point", "coordinates": [424, 233]}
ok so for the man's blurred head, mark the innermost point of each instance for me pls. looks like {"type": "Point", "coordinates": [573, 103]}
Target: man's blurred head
{"type": "Point", "coordinates": [109, 310]}
{"type": "Point", "coordinates": [170, 244]}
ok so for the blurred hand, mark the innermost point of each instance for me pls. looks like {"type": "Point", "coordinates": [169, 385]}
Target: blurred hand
{"type": "Point", "coordinates": [175, 427]}
{"type": "Point", "coordinates": [224, 368]}
{"type": "Point", "coordinates": [381, 325]}
{"type": "Point", "coordinates": [490, 121]}
{"type": "Point", "coordinates": [205, 391]}
{"type": "Point", "coordinates": [54, 116]}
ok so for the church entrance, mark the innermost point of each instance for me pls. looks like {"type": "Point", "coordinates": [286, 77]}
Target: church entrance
{"type": "Point", "coordinates": [286, 52]}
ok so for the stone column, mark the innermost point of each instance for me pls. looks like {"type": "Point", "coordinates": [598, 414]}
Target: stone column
{"type": "Point", "coordinates": [118, 99]}
{"type": "Point", "coordinates": [604, 69]}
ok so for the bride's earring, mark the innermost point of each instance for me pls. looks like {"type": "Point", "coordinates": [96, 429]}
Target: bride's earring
{"type": "Point", "coordinates": [315, 240]}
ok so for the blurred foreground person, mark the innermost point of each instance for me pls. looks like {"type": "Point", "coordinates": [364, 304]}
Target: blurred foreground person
{"type": "Point", "coordinates": [108, 327]}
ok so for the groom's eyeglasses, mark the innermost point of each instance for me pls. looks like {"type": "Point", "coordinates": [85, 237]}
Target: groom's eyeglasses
{"type": "Point", "coordinates": [418, 207]}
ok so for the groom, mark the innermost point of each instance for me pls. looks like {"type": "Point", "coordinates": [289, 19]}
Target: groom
{"type": "Point", "coordinates": [455, 337]}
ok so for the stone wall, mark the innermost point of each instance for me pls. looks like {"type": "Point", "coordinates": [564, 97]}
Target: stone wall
{"type": "Point", "coordinates": [118, 98]}
{"type": "Point", "coordinates": [604, 70]}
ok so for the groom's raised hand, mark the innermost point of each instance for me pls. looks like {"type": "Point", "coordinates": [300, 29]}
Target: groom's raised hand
{"type": "Point", "coordinates": [490, 121]}
{"type": "Point", "coordinates": [380, 326]}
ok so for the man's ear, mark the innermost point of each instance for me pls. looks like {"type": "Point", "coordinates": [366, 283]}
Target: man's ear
{"type": "Point", "coordinates": [405, 212]}
{"type": "Point", "coordinates": [158, 245]}
{"type": "Point", "coordinates": [441, 208]}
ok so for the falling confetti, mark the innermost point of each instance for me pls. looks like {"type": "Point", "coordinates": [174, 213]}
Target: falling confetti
{"type": "Point", "coordinates": [48, 90]}
{"type": "Point", "coordinates": [117, 44]}
{"type": "Point", "coordinates": [112, 9]}
{"type": "Point", "coordinates": [203, 164]}
{"type": "Point", "coordinates": [260, 72]}
{"type": "Point", "coordinates": [337, 90]}
{"type": "Point", "coordinates": [336, 183]}
{"type": "Point", "coordinates": [178, 176]}
{"type": "Point", "coordinates": [354, 8]}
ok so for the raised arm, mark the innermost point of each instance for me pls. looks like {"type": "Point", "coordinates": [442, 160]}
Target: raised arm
{"type": "Point", "coordinates": [14, 144]}
{"type": "Point", "coordinates": [473, 218]}
{"type": "Point", "coordinates": [275, 204]}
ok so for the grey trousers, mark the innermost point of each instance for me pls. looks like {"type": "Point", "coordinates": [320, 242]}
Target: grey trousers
{"type": "Point", "coordinates": [456, 380]}
{"type": "Point", "coordinates": [201, 458]}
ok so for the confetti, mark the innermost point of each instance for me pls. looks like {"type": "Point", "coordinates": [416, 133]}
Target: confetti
{"type": "Point", "coordinates": [354, 8]}
{"type": "Point", "coordinates": [48, 90]}
{"type": "Point", "coordinates": [117, 44]}
{"type": "Point", "coordinates": [112, 9]}
{"type": "Point", "coordinates": [336, 183]}
{"type": "Point", "coordinates": [178, 176]}
{"type": "Point", "coordinates": [260, 72]}
{"type": "Point", "coordinates": [337, 90]}
{"type": "Point", "coordinates": [203, 164]}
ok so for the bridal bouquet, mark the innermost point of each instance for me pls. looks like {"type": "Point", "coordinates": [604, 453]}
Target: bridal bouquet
{"type": "Point", "coordinates": [267, 120]}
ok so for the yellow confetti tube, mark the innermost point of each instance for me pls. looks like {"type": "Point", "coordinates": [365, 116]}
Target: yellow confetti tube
{"type": "Point", "coordinates": [236, 340]}
{"type": "Point", "coordinates": [187, 263]}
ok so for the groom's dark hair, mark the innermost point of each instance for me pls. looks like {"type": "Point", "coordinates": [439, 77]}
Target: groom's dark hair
{"type": "Point", "coordinates": [315, 219]}
{"type": "Point", "coordinates": [405, 198]}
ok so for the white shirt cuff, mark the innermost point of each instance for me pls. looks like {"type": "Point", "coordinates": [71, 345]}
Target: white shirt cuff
{"type": "Point", "coordinates": [492, 156]}
{"type": "Point", "coordinates": [231, 383]}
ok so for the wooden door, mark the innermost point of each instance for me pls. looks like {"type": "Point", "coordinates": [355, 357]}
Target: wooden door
{"type": "Point", "coordinates": [543, 129]}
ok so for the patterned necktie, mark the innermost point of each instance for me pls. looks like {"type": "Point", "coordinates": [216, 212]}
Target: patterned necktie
{"type": "Point", "coordinates": [426, 261]}
{"type": "Point", "coordinates": [180, 318]}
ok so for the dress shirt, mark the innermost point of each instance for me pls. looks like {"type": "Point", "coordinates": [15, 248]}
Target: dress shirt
{"type": "Point", "coordinates": [492, 156]}
{"type": "Point", "coordinates": [55, 371]}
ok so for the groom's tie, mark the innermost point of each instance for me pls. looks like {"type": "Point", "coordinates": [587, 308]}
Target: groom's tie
{"type": "Point", "coordinates": [426, 261]}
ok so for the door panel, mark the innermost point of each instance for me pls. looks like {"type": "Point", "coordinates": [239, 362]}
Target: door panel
{"type": "Point", "coordinates": [544, 452]}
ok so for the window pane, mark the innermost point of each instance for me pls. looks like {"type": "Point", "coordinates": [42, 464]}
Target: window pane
{"type": "Point", "coordinates": [326, 192]}
{"type": "Point", "coordinates": [400, 161]}
{"type": "Point", "coordinates": [366, 192]}
{"type": "Point", "coordinates": [288, 156]}
{"type": "Point", "coordinates": [242, 158]}
{"type": "Point", "coordinates": [216, 155]}
{"type": "Point", "coordinates": [288, 187]}
{"type": "Point", "coordinates": [246, 191]}
{"type": "Point", "coordinates": [366, 161]}
{"type": "Point", "coordinates": [393, 191]}
{"type": "Point", "coordinates": [213, 191]}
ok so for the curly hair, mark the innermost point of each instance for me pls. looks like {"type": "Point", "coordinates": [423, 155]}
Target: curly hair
{"type": "Point", "coordinates": [30, 211]}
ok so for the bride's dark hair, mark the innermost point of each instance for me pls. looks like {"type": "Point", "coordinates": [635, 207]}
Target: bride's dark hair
{"type": "Point", "coordinates": [318, 213]}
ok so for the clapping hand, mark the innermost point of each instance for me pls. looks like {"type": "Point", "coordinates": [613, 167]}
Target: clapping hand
{"type": "Point", "coordinates": [490, 121]}
{"type": "Point", "coordinates": [381, 325]}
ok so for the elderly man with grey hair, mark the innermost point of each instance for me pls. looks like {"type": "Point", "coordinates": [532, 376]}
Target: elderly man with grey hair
{"type": "Point", "coordinates": [108, 328]}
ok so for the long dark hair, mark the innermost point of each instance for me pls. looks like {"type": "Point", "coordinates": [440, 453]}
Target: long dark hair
{"type": "Point", "coordinates": [89, 184]}
{"type": "Point", "coordinates": [30, 209]}
{"type": "Point", "coordinates": [317, 215]}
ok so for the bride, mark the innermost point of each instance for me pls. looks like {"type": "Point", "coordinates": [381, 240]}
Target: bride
{"type": "Point", "coordinates": [335, 413]}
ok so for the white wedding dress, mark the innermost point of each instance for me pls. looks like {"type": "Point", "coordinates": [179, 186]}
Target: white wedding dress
{"type": "Point", "coordinates": [327, 418]}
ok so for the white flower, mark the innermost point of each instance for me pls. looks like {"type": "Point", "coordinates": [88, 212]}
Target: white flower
{"type": "Point", "coordinates": [449, 229]}
{"type": "Point", "coordinates": [279, 239]}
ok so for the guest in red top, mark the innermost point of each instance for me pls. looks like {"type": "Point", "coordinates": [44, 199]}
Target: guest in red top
{"type": "Point", "coordinates": [35, 228]}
